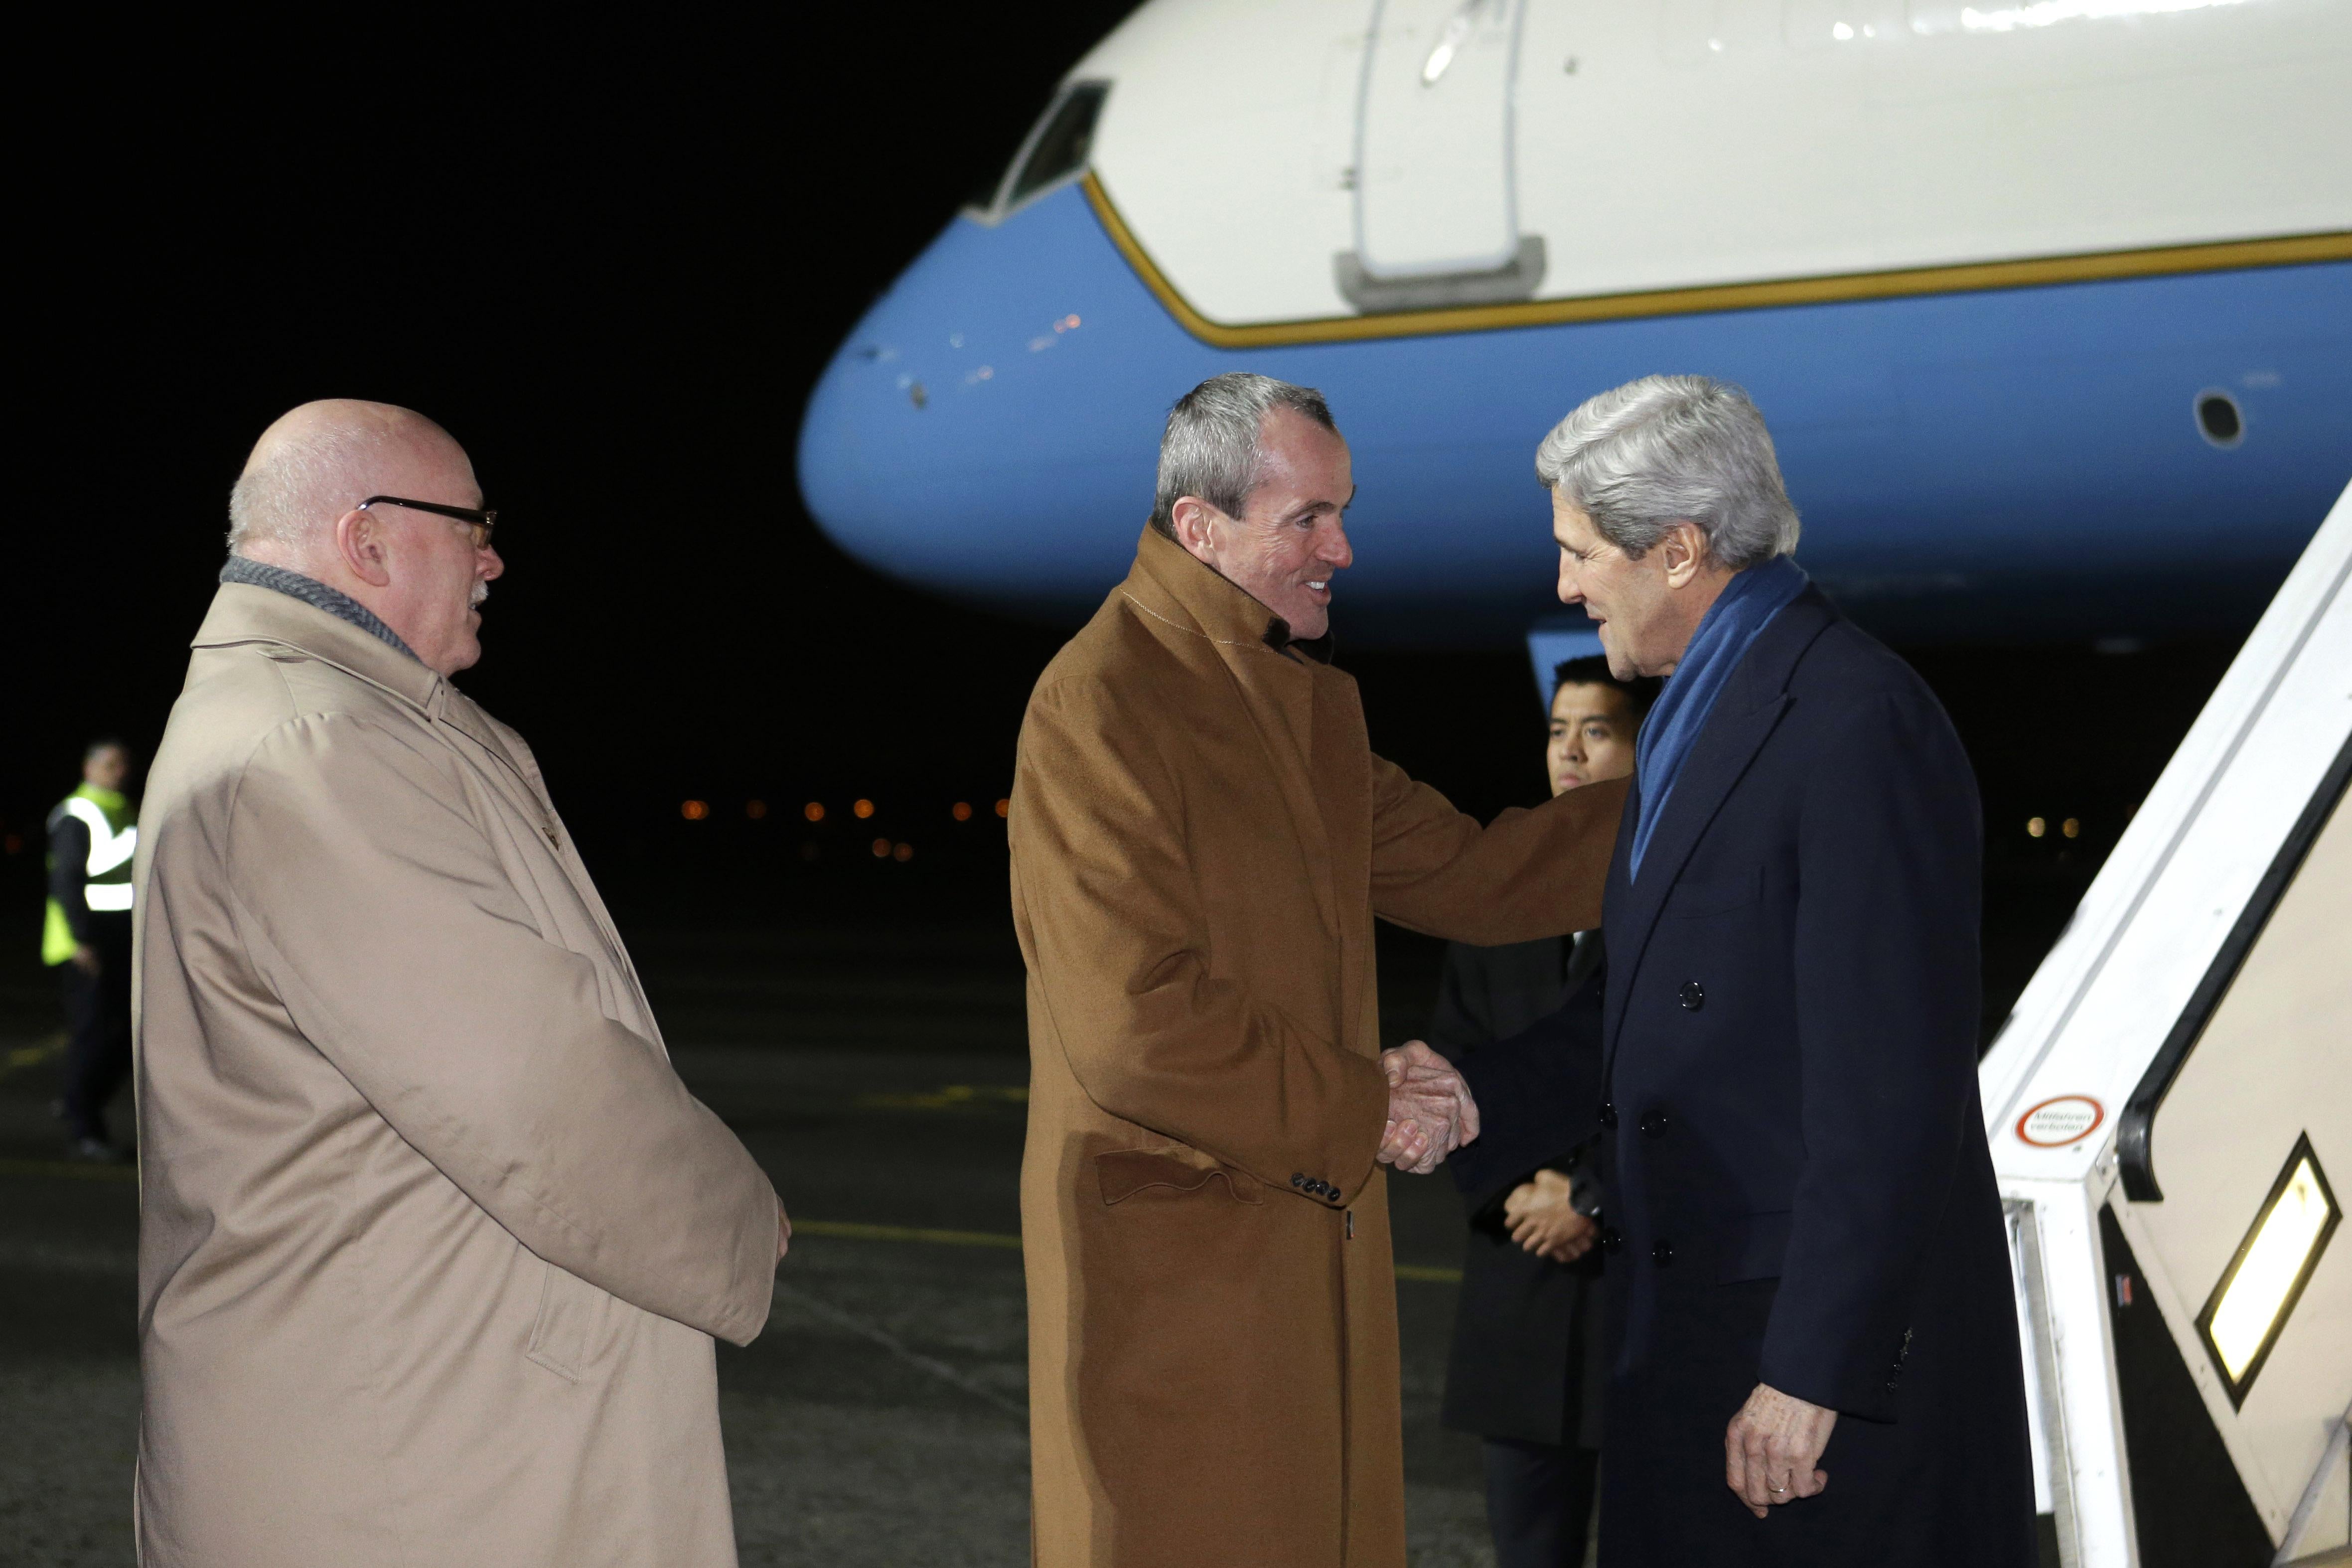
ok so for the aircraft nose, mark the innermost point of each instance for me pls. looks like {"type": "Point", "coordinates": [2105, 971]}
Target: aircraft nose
{"type": "Point", "coordinates": [989, 429]}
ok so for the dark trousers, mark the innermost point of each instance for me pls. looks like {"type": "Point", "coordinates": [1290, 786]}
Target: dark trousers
{"type": "Point", "coordinates": [1540, 1503]}
{"type": "Point", "coordinates": [98, 1020]}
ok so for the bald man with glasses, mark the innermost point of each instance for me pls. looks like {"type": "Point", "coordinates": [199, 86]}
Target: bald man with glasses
{"type": "Point", "coordinates": [434, 1243]}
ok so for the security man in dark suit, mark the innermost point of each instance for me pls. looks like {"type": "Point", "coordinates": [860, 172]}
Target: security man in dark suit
{"type": "Point", "coordinates": [1816, 1356]}
{"type": "Point", "coordinates": [1526, 1373]}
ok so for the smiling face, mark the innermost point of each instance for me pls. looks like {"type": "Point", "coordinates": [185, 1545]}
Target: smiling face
{"type": "Point", "coordinates": [1591, 738]}
{"type": "Point", "coordinates": [1292, 536]}
{"type": "Point", "coordinates": [1646, 609]}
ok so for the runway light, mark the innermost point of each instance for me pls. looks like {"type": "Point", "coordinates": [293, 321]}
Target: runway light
{"type": "Point", "coordinates": [814, 810]}
{"type": "Point", "coordinates": [881, 849]}
{"type": "Point", "coordinates": [961, 811]}
{"type": "Point", "coordinates": [2035, 827]}
{"type": "Point", "coordinates": [862, 809]}
{"type": "Point", "coordinates": [694, 811]}
{"type": "Point", "coordinates": [1005, 808]}
{"type": "Point", "coordinates": [2259, 1289]}
{"type": "Point", "coordinates": [1840, 32]}
{"type": "Point", "coordinates": [903, 854]}
{"type": "Point", "coordinates": [755, 810]}
{"type": "Point", "coordinates": [2071, 827]}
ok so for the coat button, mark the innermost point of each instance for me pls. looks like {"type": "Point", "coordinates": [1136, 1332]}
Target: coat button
{"type": "Point", "coordinates": [1609, 1113]}
{"type": "Point", "coordinates": [1655, 1125]}
{"type": "Point", "coordinates": [1611, 1240]}
{"type": "Point", "coordinates": [1662, 1253]}
{"type": "Point", "coordinates": [1694, 996]}
{"type": "Point", "coordinates": [1890, 1386]}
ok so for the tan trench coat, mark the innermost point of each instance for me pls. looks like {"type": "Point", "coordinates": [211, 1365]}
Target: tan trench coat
{"type": "Point", "coordinates": [1201, 838]}
{"type": "Point", "coordinates": [433, 1240]}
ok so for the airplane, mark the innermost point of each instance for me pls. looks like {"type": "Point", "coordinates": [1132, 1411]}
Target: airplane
{"type": "Point", "coordinates": [2048, 303]}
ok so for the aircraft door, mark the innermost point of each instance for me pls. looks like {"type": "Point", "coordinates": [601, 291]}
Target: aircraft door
{"type": "Point", "coordinates": [1436, 218]}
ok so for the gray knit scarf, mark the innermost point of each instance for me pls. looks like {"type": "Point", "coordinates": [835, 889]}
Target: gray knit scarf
{"type": "Point", "coordinates": [311, 592]}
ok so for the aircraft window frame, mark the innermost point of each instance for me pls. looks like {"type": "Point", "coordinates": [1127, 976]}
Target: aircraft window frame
{"type": "Point", "coordinates": [1016, 190]}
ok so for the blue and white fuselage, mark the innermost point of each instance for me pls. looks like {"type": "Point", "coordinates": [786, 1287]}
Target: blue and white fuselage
{"type": "Point", "coordinates": [2049, 308]}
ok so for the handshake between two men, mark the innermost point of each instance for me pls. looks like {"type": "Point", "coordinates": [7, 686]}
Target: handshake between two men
{"type": "Point", "coordinates": [1431, 1111]}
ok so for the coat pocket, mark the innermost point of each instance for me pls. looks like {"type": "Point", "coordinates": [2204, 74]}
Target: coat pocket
{"type": "Point", "coordinates": [1124, 1172]}
{"type": "Point", "coordinates": [569, 1310]}
{"type": "Point", "coordinates": [1752, 1247]}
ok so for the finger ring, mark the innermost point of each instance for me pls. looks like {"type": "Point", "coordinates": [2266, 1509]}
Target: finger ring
{"type": "Point", "coordinates": [1779, 1488]}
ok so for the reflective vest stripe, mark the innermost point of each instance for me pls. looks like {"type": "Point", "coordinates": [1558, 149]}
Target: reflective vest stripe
{"type": "Point", "coordinates": [108, 849]}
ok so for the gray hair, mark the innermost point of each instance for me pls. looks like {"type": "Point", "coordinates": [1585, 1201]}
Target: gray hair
{"type": "Point", "coordinates": [305, 483]}
{"type": "Point", "coordinates": [1668, 449]}
{"type": "Point", "coordinates": [1213, 447]}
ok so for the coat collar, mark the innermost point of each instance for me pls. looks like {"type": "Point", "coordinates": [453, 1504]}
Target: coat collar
{"type": "Point", "coordinates": [242, 613]}
{"type": "Point", "coordinates": [1745, 716]}
{"type": "Point", "coordinates": [1170, 583]}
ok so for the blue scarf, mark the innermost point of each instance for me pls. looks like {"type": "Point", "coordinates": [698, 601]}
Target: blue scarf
{"type": "Point", "coordinates": [1732, 623]}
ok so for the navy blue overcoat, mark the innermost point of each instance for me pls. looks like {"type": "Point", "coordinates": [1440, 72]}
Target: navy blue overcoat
{"type": "Point", "coordinates": [1802, 1194]}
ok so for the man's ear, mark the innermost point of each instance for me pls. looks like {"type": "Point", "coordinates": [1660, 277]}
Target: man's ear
{"type": "Point", "coordinates": [358, 539]}
{"type": "Point", "coordinates": [1685, 553]}
{"type": "Point", "coordinates": [1193, 519]}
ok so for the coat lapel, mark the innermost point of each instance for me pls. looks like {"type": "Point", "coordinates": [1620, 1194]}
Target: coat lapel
{"type": "Point", "coordinates": [1276, 689]}
{"type": "Point", "coordinates": [1745, 716]}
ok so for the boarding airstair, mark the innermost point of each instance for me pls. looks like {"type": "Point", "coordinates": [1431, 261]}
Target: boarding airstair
{"type": "Point", "coordinates": [2170, 1113]}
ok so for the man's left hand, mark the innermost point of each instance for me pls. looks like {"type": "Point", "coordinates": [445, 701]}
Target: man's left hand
{"type": "Point", "coordinates": [1770, 1448]}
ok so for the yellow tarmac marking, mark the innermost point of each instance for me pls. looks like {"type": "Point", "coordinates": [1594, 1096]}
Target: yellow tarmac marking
{"type": "Point", "coordinates": [954, 1096]}
{"type": "Point", "coordinates": [1428, 1275]}
{"type": "Point", "coordinates": [31, 1055]}
{"type": "Point", "coordinates": [850, 1230]}
{"type": "Point", "coordinates": [843, 1229]}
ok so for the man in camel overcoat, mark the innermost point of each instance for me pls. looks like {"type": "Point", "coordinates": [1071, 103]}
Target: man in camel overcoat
{"type": "Point", "coordinates": [1201, 839]}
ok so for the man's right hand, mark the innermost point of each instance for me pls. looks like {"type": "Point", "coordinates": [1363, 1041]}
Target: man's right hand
{"type": "Point", "coordinates": [85, 958]}
{"type": "Point", "coordinates": [1431, 1112]}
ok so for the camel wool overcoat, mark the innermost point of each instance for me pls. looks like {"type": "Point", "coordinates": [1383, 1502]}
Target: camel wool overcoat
{"type": "Point", "coordinates": [433, 1241]}
{"type": "Point", "coordinates": [1201, 839]}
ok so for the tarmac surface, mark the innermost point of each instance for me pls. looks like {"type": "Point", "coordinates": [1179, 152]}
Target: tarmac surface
{"type": "Point", "coordinates": [879, 1075]}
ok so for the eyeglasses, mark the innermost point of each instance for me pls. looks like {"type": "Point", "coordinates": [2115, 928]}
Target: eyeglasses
{"type": "Point", "coordinates": [483, 522]}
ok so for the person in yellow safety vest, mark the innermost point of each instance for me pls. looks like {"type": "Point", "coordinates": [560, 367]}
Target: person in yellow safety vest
{"type": "Point", "coordinates": [87, 940]}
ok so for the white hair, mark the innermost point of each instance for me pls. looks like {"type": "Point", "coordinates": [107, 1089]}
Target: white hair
{"type": "Point", "coordinates": [1214, 446]}
{"type": "Point", "coordinates": [1667, 449]}
{"type": "Point", "coordinates": [306, 483]}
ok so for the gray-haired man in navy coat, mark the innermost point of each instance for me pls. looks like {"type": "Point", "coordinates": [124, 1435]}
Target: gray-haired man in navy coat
{"type": "Point", "coordinates": [1817, 1358]}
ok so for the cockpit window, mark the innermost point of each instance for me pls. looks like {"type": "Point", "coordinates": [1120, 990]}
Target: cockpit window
{"type": "Point", "coordinates": [1059, 147]}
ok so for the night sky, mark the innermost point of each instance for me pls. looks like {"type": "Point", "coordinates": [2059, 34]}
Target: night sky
{"type": "Point", "coordinates": [613, 262]}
